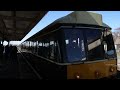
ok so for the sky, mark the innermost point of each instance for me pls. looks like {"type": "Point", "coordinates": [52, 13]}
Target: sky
{"type": "Point", "coordinates": [111, 18]}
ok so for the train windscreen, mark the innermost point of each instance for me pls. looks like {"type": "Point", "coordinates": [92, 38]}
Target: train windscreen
{"type": "Point", "coordinates": [95, 49]}
{"type": "Point", "coordinates": [84, 44]}
{"type": "Point", "coordinates": [75, 47]}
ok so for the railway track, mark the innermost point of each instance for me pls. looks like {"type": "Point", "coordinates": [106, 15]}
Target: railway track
{"type": "Point", "coordinates": [27, 70]}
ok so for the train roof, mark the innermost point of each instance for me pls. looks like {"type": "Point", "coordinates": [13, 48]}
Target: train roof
{"type": "Point", "coordinates": [83, 17]}
{"type": "Point", "coordinates": [80, 18]}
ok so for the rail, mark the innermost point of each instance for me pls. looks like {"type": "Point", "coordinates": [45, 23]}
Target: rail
{"type": "Point", "coordinates": [36, 73]}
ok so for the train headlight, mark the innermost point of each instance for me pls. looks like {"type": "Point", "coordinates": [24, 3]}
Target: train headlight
{"type": "Point", "coordinates": [77, 76]}
{"type": "Point", "coordinates": [111, 69]}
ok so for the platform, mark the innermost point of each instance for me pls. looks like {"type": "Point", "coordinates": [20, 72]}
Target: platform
{"type": "Point", "coordinates": [16, 69]}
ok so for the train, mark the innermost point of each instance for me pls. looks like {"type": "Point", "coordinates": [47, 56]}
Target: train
{"type": "Point", "coordinates": [77, 46]}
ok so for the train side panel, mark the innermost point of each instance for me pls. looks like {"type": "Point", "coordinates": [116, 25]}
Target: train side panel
{"type": "Point", "coordinates": [49, 70]}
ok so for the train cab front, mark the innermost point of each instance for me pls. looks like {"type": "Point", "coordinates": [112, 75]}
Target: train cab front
{"type": "Point", "coordinates": [90, 52]}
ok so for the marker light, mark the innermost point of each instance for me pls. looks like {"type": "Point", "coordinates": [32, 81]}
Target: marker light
{"type": "Point", "coordinates": [77, 76]}
{"type": "Point", "coordinates": [97, 74]}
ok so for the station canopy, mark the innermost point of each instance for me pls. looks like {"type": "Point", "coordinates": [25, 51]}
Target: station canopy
{"type": "Point", "coordinates": [15, 25]}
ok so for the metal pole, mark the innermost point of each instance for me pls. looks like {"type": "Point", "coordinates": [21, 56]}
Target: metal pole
{"type": "Point", "coordinates": [8, 43]}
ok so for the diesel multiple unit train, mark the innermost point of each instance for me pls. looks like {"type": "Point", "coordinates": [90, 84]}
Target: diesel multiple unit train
{"type": "Point", "coordinates": [76, 46]}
